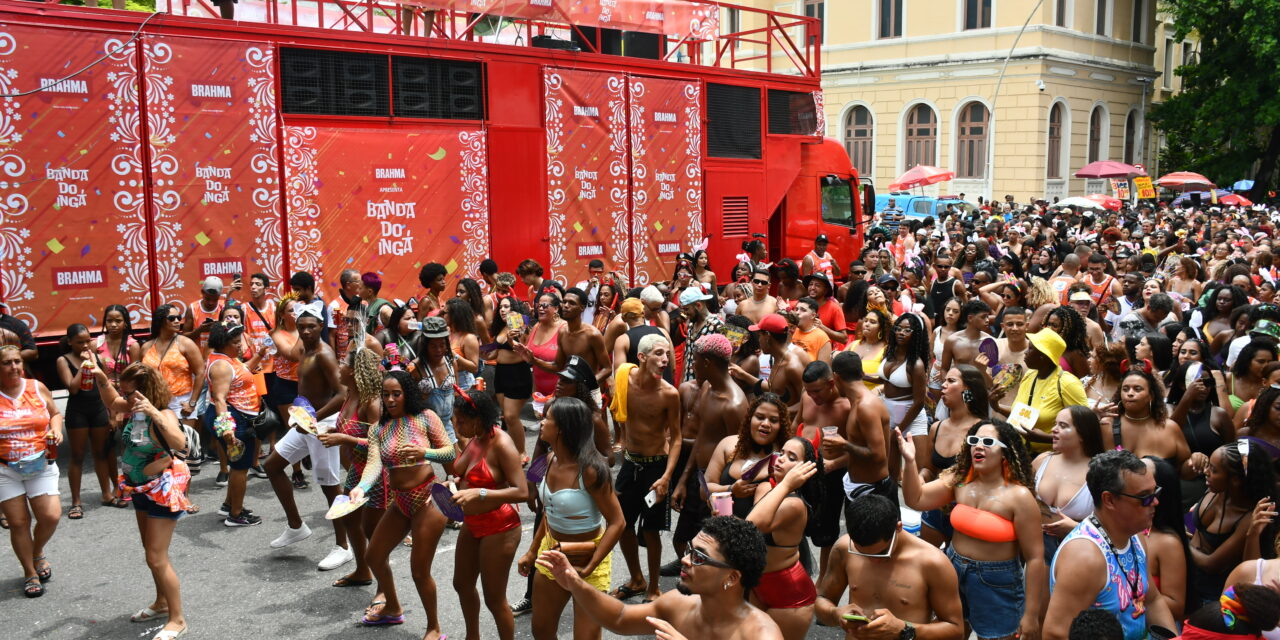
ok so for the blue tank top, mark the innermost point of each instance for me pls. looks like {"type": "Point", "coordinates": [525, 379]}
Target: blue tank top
{"type": "Point", "coordinates": [1126, 588]}
{"type": "Point", "coordinates": [570, 510]}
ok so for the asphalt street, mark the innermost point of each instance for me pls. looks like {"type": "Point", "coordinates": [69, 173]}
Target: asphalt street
{"type": "Point", "coordinates": [233, 584]}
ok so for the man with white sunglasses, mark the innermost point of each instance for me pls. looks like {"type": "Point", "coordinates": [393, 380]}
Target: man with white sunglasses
{"type": "Point", "coordinates": [902, 586]}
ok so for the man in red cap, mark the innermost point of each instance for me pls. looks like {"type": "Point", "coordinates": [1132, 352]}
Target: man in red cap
{"type": "Point", "coordinates": [830, 315]}
{"type": "Point", "coordinates": [785, 375]}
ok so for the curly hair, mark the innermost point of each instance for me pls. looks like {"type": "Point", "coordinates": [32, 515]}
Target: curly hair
{"type": "Point", "coordinates": [1110, 357]}
{"type": "Point", "coordinates": [149, 383]}
{"type": "Point", "coordinates": [364, 365]}
{"type": "Point", "coordinates": [917, 349]}
{"type": "Point", "coordinates": [1262, 605]}
{"type": "Point", "coordinates": [461, 317]}
{"type": "Point", "coordinates": [1040, 293]}
{"type": "Point", "coordinates": [414, 401]}
{"type": "Point", "coordinates": [1073, 328]}
{"type": "Point", "coordinates": [475, 298]}
{"type": "Point", "coordinates": [741, 544]}
{"type": "Point", "coordinates": [1159, 412]}
{"type": "Point", "coordinates": [160, 318]}
{"type": "Point", "coordinates": [517, 307]}
{"type": "Point", "coordinates": [746, 444]}
{"type": "Point", "coordinates": [884, 322]}
{"type": "Point", "coordinates": [477, 405]}
{"type": "Point", "coordinates": [1014, 452]}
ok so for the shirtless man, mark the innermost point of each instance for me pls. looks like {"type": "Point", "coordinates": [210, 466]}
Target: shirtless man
{"type": "Point", "coordinates": [650, 417]}
{"type": "Point", "coordinates": [1013, 346]}
{"type": "Point", "coordinates": [961, 347]}
{"type": "Point", "coordinates": [865, 436]}
{"type": "Point", "coordinates": [821, 407]}
{"type": "Point", "coordinates": [1082, 301]}
{"type": "Point", "coordinates": [895, 580]}
{"type": "Point", "coordinates": [575, 338]}
{"type": "Point", "coordinates": [760, 304]}
{"type": "Point", "coordinates": [725, 561]}
{"type": "Point", "coordinates": [317, 382]}
{"type": "Point", "coordinates": [787, 366]}
{"type": "Point", "coordinates": [716, 411]}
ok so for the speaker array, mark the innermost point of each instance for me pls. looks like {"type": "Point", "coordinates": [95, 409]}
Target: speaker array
{"type": "Point", "coordinates": [345, 83]}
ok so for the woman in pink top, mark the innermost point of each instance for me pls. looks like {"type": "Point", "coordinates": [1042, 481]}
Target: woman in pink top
{"type": "Point", "coordinates": [544, 345]}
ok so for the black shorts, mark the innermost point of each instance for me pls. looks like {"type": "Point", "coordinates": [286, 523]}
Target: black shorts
{"type": "Point", "coordinates": [633, 484]}
{"type": "Point", "coordinates": [513, 381]}
{"type": "Point", "coordinates": [695, 510]}
{"type": "Point", "coordinates": [827, 529]}
{"type": "Point", "coordinates": [86, 415]}
{"type": "Point", "coordinates": [282, 392]}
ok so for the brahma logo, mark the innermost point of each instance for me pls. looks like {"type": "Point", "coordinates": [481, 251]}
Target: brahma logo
{"type": "Point", "coordinates": [211, 91]}
{"type": "Point", "coordinates": [388, 173]}
{"type": "Point", "coordinates": [79, 278]}
{"type": "Point", "coordinates": [221, 267]}
{"type": "Point", "coordinates": [664, 117]}
{"type": "Point", "coordinates": [55, 85]}
{"type": "Point", "coordinates": [590, 249]}
{"type": "Point", "coordinates": [668, 248]}
{"type": "Point", "coordinates": [586, 112]}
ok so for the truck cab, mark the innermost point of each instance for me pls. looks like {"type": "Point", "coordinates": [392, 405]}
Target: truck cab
{"type": "Point", "coordinates": [826, 198]}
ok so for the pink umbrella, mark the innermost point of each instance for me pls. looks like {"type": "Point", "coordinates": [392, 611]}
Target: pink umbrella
{"type": "Point", "coordinates": [1235, 199]}
{"type": "Point", "coordinates": [1109, 169]}
{"type": "Point", "coordinates": [1107, 202]}
{"type": "Point", "coordinates": [1186, 181]}
{"type": "Point", "coordinates": [921, 175]}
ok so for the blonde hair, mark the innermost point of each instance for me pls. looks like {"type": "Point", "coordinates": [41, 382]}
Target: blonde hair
{"type": "Point", "coordinates": [364, 364]}
{"type": "Point", "coordinates": [1039, 293]}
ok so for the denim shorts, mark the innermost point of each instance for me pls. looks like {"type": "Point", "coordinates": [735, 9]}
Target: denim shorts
{"type": "Point", "coordinates": [143, 503]}
{"type": "Point", "coordinates": [244, 433]}
{"type": "Point", "coordinates": [991, 593]}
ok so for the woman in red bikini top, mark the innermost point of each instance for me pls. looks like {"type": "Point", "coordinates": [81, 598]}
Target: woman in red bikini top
{"type": "Point", "coordinates": [491, 482]}
{"type": "Point", "coordinates": [996, 516]}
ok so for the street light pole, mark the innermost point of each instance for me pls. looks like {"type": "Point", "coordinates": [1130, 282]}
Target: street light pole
{"type": "Point", "coordinates": [991, 148]}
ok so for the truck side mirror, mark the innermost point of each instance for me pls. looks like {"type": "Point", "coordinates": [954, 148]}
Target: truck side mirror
{"type": "Point", "coordinates": [868, 200]}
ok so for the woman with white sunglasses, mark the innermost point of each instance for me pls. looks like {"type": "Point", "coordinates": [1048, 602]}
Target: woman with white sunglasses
{"type": "Point", "coordinates": [996, 518]}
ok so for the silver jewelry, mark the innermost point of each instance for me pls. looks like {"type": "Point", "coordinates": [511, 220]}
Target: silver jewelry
{"type": "Point", "coordinates": [484, 493]}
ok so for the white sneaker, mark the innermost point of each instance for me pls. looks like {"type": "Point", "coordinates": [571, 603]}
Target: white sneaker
{"type": "Point", "coordinates": [291, 536]}
{"type": "Point", "coordinates": [336, 558]}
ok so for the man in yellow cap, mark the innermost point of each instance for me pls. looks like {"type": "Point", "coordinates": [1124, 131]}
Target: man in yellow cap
{"type": "Point", "coordinates": [1045, 390]}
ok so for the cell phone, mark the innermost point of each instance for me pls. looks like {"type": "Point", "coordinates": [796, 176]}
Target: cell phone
{"type": "Point", "coordinates": [853, 617]}
{"type": "Point", "coordinates": [651, 498]}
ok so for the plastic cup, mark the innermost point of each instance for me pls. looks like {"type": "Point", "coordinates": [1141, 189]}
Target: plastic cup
{"type": "Point", "coordinates": [827, 432]}
{"type": "Point", "coordinates": [722, 502]}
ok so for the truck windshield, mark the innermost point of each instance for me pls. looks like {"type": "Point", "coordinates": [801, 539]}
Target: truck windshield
{"type": "Point", "coordinates": [837, 203]}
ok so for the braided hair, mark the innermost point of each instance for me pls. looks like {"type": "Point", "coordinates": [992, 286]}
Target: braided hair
{"type": "Point", "coordinates": [1014, 451]}
{"type": "Point", "coordinates": [917, 348]}
{"type": "Point", "coordinates": [1073, 328]}
{"type": "Point", "coordinates": [746, 445]}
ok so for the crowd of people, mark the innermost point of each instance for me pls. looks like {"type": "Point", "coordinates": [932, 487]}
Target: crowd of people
{"type": "Point", "coordinates": [1016, 422]}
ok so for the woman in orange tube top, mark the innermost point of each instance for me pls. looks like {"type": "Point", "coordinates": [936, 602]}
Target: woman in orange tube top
{"type": "Point", "coordinates": [997, 528]}
{"type": "Point", "coordinates": [492, 481]}
{"type": "Point", "coordinates": [405, 443]}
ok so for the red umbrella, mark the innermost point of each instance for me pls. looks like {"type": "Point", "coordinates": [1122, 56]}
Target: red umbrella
{"type": "Point", "coordinates": [1109, 169]}
{"type": "Point", "coordinates": [921, 175]}
{"type": "Point", "coordinates": [1107, 202]}
{"type": "Point", "coordinates": [1186, 181]}
{"type": "Point", "coordinates": [1235, 199]}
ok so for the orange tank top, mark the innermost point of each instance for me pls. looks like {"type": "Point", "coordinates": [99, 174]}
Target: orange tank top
{"type": "Point", "coordinates": [823, 264]}
{"type": "Point", "coordinates": [243, 393]}
{"type": "Point", "coordinates": [198, 316]}
{"type": "Point", "coordinates": [285, 368]}
{"type": "Point", "coordinates": [24, 421]}
{"type": "Point", "coordinates": [173, 367]}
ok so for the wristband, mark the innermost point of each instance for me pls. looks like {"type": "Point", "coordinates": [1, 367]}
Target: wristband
{"type": "Point", "coordinates": [224, 424]}
{"type": "Point", "coordinates": [484, 493]}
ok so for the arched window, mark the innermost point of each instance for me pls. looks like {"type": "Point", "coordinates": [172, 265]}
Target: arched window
{"type": "Point", "coordinates": [1053, 152]}
{"type": "Point", "coordinates": [921, 137]}
{"type": "Point", "coordinates": [858, 138]}
{"type": "Point", "coordinates": [972, 133]}
{"type": "Point", "coordinates": [1130, 131]}
{"type": "Point", "coordinates": [1096, 123]}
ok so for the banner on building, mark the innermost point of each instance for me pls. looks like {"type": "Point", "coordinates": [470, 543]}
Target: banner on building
{"type": "Point", "coordinates": [666, 173]}
{"type": "Point", "coordinates": [216, 197]}
{"type": "Point", "coordinates": [388, 201]}
{"type": "Point", "coordinates": [587, 171]}
{"type": "Point", "coordinates": [72, 216]}
{"type": "Point", "coordinates": [1146, 190]}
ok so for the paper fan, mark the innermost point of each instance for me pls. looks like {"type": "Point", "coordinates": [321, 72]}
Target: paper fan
{"type": "Point", "coordinates": [343, 506]}
{"type": "Point", "coordinates": [443, 498]}
{"type": "Point", "coordinates": [752, 472]}
{"type": "Point", "coordinates": [302, 415]}
{"type": "Point", "coordinates": [537, 469]}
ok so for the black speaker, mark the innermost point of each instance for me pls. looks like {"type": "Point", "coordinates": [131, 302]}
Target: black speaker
{"type": "Point", "coordinates": [358, 80]}
{"type": "Point", "coordinates": [610, 40]}
{"type": "Point", "coordinates": [651, 46]}
{"type": "Point", "coordinates": [447, 89]}
{"type": "Point", "coordinates": [334, 82]}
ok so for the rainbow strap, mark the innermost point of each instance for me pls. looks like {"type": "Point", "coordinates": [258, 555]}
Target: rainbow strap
{"type": "Point", "coordinates": [1233, 610]}
{"type": "Point", "coordinates": [224, 424]}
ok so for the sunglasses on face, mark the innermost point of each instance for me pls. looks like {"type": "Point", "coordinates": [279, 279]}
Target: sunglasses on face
{"type": "Point", "coordinates": [763, 283]}
{"type": "Point", "coordinates": [860, 273]}
{"type": "Point", "coordinates": [1144, 500]}
{"type": "Point", "coordinates": [174, 318]}
{"type": "Point", "coordinates": [698, 557]}
{"type": "Point", "coordinates": [986, 441]}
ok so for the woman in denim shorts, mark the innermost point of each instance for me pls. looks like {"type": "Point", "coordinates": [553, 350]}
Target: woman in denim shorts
{"type": "Point", "coordinates": [997, 528]}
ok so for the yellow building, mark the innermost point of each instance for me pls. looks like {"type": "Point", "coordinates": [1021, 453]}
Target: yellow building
{"type": "Point", "coordinates": [910, 82]}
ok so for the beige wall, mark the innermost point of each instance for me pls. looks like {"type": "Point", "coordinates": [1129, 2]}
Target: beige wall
{"type": "Point", "coordinates": [937, 62]}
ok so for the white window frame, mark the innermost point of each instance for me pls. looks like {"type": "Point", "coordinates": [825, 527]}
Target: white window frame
{"type": "Point", "coordinates": [1068, 19]}
{"type": "Point", "coordinates": [844, 115]}
{"type": "Point", "coordinates": [1142, 7]}
{"type": "Point", "coordinates": [901, 147]}
{"type": "Point", "coordinates": [1166, 79]}
{"type": "Point", "coordinates": [1109, 19]}
{"type": "Point", "coordinates": [960, 6]}
{"type": "Point", "coordinates": [1104, 138]}
{"type": "Point", "coordinates": [955, 136]}
{"type": "Point", "coordinates": [875, 21]}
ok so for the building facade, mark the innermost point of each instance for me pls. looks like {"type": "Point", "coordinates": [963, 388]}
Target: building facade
{"type": "Point", "coordinates": [1012, 109]}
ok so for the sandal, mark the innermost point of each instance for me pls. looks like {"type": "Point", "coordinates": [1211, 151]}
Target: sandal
{"type": "Point", "coordinates": [626, 592]}
{"type": "Point", "coordinates": [45, 574]}
{"type": "Point", "coordinates": [170, 634]}
{"type": "Point", "coordinates": [147, 614]}
{"type": "Point", "coordinates": [379, 620]}
{"type": "Point", "coordinates": [372, 605]}
{"type": "Point", "coordinates": [300, 481]}
{"type": "Point", "coordinates": [33, 588]}
{"type": "Point", "coordinates": [348, 581]}
{"type": "Point", "coordinates": [76, 512]}
{"type": "Point", "coordinates": [4, 522]}
{"type": "Point", "coordinates": [194, 509]}
{"type": "Point", "coordinates": [116, 502]}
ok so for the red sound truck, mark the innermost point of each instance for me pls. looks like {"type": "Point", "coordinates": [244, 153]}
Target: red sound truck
{"type": "Point", "coordinates": [143, 152]}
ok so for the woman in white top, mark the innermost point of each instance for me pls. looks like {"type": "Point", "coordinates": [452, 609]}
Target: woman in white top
{"type": "Point", "coordinates": [948, 326]}
{"type": "Point", "coordinates": [1060, 473]}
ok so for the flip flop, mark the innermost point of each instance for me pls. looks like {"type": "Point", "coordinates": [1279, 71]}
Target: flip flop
{"type": "Point", "coordinates": [147, 614]}
{"type": "Point", "coordinates": [347, 581]}
{"type": "Point", "coordinates": [372, 604]}
{"type": "Point", "coordinates": [170, 634]}
{"type": "Point", "coordinates": [379, 620]}
{"type": "Point", "coordinates": [76, 512]}
{"type": "Point", "coordinates": [116, 502]}
{"type": "Point", "coordinates": [625, 592]}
